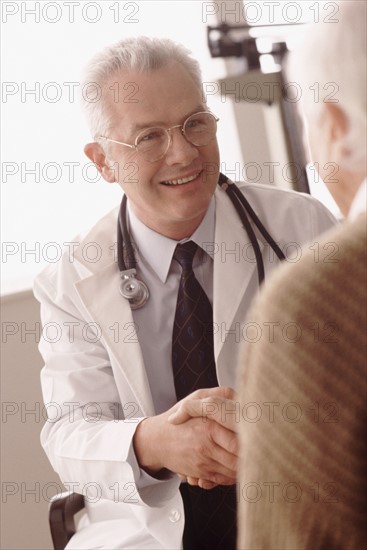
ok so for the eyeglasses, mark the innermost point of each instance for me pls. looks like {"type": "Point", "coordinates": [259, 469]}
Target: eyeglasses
{"type": "Point", "coordinates": [152, 144]}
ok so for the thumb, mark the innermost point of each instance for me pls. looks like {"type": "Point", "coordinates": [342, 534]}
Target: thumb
{"type": "Point", "coordinates": [188, 408]}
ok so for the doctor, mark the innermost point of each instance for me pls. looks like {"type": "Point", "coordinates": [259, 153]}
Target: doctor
{"type": "Point", "coordinates": [151, 483]}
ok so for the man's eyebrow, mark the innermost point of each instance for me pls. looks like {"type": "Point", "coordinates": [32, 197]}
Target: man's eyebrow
{"type": "Point", "coordinates": [161, 123]}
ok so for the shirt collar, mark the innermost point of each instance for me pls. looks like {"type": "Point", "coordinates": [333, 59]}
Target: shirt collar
{"type": "Point", "coordinates": [359, 202]}
{"type": "Point", "coordinates": [157, 250]}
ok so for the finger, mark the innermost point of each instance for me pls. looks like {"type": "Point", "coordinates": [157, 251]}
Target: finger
{"type": "Point", "coordinates": [225, 412]}
{"type": "Point", "coordinates": [205, 484]}
{"type": "Point", "coordinates": [222, 410]}
{"type": "Point", "coordinates": [187, 409]}
{"type": "Point", "coordinates": [217, 475]}
{"type": "Point", "coordinates": [222, 469]}
{"type": "Point", "coordinates": [219, 472]}
{"type": "Point", "coordinates": [217, 464]}
{"type": "Point", "coordinates": [220, 391]}
{"type": "Point", "coordinates": [225, 439]}
{"type": "Point", "coordinates": [182, 411]}
{"type": "Point", "coordinates": [192, 480]}
{"type": "Point", "coordinates": [182, 477]}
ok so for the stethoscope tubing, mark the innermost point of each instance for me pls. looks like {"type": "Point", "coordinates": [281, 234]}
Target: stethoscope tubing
{"type": "Point", "coordinates": [245, 211]}
{"type": "Point", "coordinates": [123, 240]}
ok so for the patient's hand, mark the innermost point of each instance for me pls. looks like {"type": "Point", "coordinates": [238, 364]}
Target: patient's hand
{"type": "Point", "coordinates": [219, 406]}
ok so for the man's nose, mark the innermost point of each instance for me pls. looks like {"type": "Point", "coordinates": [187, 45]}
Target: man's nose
{"type": "Point", "coordinates": [180, 151]}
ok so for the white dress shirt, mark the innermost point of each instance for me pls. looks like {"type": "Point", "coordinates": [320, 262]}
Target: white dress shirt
{"type": "Point", "coordinates": [154, 321]}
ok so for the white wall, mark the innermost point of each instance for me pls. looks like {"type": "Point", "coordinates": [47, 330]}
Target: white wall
{"type": "Point", "coordinates": [46, 198]}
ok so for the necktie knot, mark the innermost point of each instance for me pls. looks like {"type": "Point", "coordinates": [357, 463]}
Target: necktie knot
{"type": "Point", "coordinates": [184, 254]}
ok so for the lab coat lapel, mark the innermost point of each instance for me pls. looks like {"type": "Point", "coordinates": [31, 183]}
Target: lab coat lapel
{"type": "Point", "coordinates": [100, 295]}
{"type": "Point", "coordinates": [234, 267]}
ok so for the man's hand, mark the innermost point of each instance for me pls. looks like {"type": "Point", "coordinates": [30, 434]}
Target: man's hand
{"type": "Point", "coordinates": [220, 407]}
{"type": "Point", "coordinates": [202, 448]}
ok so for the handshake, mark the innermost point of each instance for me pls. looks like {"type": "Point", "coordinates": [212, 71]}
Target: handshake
{"type": "Point", "coordinates": [193, 439]}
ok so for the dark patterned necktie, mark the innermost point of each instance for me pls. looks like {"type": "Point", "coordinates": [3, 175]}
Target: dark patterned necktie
{"type": "Point", "coordinates": [192, 341]}
{"type": "Point", "coordinates": [210, 516]}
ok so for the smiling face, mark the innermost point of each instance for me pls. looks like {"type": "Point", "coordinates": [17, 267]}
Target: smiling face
{"type": "Point", "coordinates": [170, 195]}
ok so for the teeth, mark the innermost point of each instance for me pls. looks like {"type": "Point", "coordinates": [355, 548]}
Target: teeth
{"type": "Point", "coordinates": [181, 181]}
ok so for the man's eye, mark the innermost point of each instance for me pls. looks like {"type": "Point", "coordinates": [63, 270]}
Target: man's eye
{"type": "Point", "coordinates": [151, 136]}
{"type": "Point", "coordinates": [198, 124]}
{"type": "Point", "coordinates": [194, 123]}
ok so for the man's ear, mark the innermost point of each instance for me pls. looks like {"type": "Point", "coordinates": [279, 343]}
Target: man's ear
{"type": "Point", "coordinates": [338, 126]}
{"type": "Point", "coordinates": [97, 155]}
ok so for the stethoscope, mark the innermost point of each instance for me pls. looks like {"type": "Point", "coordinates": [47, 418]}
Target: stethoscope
{"type": "Point", "coordinates": [136, 291]}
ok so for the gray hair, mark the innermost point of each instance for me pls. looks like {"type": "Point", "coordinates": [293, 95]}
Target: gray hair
{"type": "Point", "coordinates": [330, 64]}
{"type": "Point", "coordinates": [140, 54]}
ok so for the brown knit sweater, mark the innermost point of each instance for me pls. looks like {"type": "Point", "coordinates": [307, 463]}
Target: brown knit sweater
{"type": "Point", "coordinates": [302, 393]}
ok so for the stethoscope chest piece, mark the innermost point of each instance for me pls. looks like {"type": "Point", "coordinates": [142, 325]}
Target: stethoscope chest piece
{"type": "Point", "coordinates": [133, 290]}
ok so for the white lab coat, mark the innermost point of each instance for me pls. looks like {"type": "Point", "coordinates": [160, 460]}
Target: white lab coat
{"type": "Point", "coordinates": [94, 375]}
